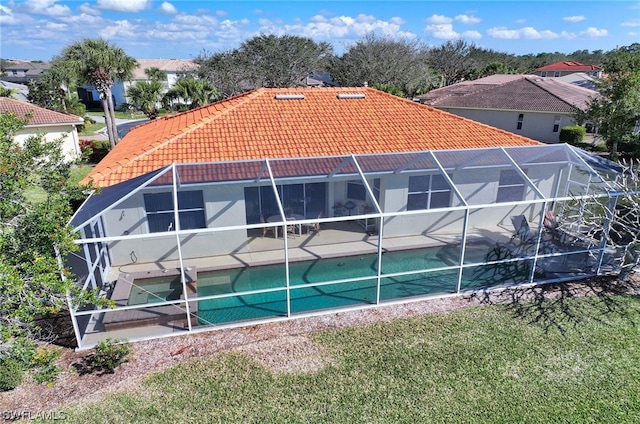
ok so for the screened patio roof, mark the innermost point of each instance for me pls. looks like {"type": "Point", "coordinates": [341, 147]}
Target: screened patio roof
{"type": "Point", "coordinates": [600, 174]}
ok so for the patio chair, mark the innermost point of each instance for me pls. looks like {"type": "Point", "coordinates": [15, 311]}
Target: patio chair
{"type": "Point", "coordinates": [266, 230]}
{"type": "Point", "coordinates": [314, 226]}
{"type": "Point", "coordinates": [521, 225]}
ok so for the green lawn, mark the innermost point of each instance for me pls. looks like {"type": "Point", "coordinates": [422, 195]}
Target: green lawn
{"type": "Point", "coordinates": [76, 174]}
{"type": "Point", "coordinates": [575, 361]}
{"type": "Point", "coordinates": [120, 115]}
{"type": "Point", "coordinates": [91, 129]}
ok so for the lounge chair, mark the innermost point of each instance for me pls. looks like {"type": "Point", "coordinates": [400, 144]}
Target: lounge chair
{"type": "Point", "coordinates": [266, 230]}
{"type": "Point", "coordinates": [314, 226]}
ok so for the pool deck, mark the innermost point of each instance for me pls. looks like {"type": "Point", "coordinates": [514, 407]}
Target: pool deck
{"type": "Point", "coordinates": [344, 239]}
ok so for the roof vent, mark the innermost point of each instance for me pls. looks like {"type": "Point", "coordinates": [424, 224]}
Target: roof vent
{"type": "Point", "coordinates": [351, 96]}
{"type": "Point", "coordinates": [289, 96]}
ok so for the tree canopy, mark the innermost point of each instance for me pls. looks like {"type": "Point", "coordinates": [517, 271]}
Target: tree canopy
{"type": "Point", "coordinates": [396, 65]}
{"type": "Point", "coordinates": [35, 207]}
{"type": "Point", "coordinates": [99, 63]}
{"type": "Point", "coordinates": [616, 111]}
{"type": "Point", "coordinates": [264, 61]}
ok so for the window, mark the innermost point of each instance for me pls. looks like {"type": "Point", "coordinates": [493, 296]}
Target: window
{"type": "Point", "coordinates": [556, 123]}
{"type": "Point", "coordinates": [520, 120]}
{"type": "Point", "coordinates": [160, 216]}
{"type": "Point", "coordinates": [356, 191]}
{"type": "Point", "coordinates": [543, 73]}
{"type": "Point", "coordinates": [428, 192]}
{"type": "Point", "coordinates": [556, 73]}
{"type": "Point", "coordinates": [510, 186]}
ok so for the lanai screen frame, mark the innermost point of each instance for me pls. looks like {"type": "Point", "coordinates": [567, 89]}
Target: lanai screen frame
{"type": "Point", "coordinates": [600, 183]}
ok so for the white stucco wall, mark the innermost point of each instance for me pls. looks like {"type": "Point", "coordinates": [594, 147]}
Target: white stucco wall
{"type": "Point", "coordinates": [536, 125]}
{"type": "Point", "coordinates": [68, 132]}
{"type": "Point", "coordinates": [225, 206]}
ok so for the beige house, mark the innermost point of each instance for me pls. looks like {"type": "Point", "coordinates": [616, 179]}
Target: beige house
{"type": "Point", "coordinates": [528, 105]}
{"type": "Point", "coordinates": [52, 124]}
{"type": "Point", "coordinates": [174, 69]}
{"type": "Point", "coordinates": [561, 69]}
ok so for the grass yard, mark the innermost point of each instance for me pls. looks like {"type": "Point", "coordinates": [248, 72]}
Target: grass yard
{"type": "Point", "coordinates": [575, 360]}
{"type": "Point", "coordinates": [91, 129]}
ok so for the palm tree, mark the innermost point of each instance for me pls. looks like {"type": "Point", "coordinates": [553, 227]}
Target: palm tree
{"type": "Point", "coordinates": [97, 62]}
{"type": "Point", "coordinates": [145, 96]}
{"type": "Point", "coordinates": [194, 91]}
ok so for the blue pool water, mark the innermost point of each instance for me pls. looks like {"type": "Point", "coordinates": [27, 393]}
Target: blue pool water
{"type": "Point", "coordinates": [305, 297]}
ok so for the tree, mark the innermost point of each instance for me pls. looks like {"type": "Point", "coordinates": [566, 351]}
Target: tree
{"type": "Point", "coordinates": [146, 95]}
{"type": "Point", "coordinates": [194, 91]}
{"type": "Point", "coordinates": [451, 60]}
{"type": "Point", "coordinates": [616, 111]}
{"type": "Point", "coordinates": [55, 90]}
{"type": "Point", "coordinates": [99, 63]}
{"type": "Point", "coordinates": [265, 61]}
{"type": "Point", "coordinates": [35, 207]}
{"type": "Point", "coordinates": [7, 92]}
{"type": "Point", "coordinates": [384, 62]}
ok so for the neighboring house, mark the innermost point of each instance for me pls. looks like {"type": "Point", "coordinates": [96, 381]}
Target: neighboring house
{"type": "Point", "coordinates": [52, 124]}
{"type": "Point", "coordinates": [529, 105]}
{"type": "Point", "coordinates": [580, 79]}
{"type": "Point", "coordinates": [319, 79]}
{"type": "Point", "coordinates": [280, 203]}
{"type": "Point", "coordinates": [20, 91]}
{"type": "Point", "coordinates": [24, 72]}
{"type": "Point", "coordinates": [173, 69]}
{"type": "Point", "coordinates": [561, 69]}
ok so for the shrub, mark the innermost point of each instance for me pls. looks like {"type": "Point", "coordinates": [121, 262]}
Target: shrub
{"type": "Point", "coordinates": [110, 353]}
{"type": "Point", "coordinates": [46, 371]}
{"type": "Point", "coordinates": [11, 373]}
{"type": "Point", "coordinates": [573, 134]}
{"type": "Point", "coordinates": [46, 374]}
{"type": "Point", "coordinates": [94, 150]}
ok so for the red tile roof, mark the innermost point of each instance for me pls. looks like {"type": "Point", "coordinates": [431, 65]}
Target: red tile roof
{"type": "Point", "coordinates": [569, 66]}
{"type": "Point", "coordinates": [257, 125]}
{"type": "Point", "coordinates": [36, 115]}
{"type": "Point", "coordinates": [518, 92]}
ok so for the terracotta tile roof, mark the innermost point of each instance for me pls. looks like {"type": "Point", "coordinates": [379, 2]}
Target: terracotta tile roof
{"type": "Point", "coordinates": [520, 93]}
{"type": "Point", "coordinates": [39, 115]}
{"type": "Point", "coordinates": [256, 125]}
{"type": "Point", "coordinates": [167, 65]}
{"type": "Point", "coordinates": [569, 66]}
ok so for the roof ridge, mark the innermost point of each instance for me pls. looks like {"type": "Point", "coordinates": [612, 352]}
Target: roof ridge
{"type": "Point", "coordinates": [552, 93]}
{"type": "Point", "coordinates": [191, 128]}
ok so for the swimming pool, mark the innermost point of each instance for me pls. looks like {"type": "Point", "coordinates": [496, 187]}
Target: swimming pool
{"type": "Point", "coordinates": [311, 288]}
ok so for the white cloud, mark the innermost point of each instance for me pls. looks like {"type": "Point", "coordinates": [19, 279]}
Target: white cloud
{"type": "Point", "coordinates": [467, 19]}
{"type": "Point", "coordinates": [47, 7]}
{"type": "Point", "coordinates": [86, 8]}
{"type": "Point", "coordinates": [439, 19]}
{"type": "Point", "coordinates": [124, 5]}
{"type": "Point", "coordinates": [167, 8]}
{"type": "Point", "coordinates": [574, 19]}
{"type": "Point", "coordinates": [323, 27]}
{"type": "Point", "coordinates": [527, 33]}
{"type": "Point", "coordinates": [592, 32]}
{"type": "Point", "coordinates": [119, 29]}
{"type": "Point", "coordinates": [53, 26]}
{"type": "Point", "coordinates": [7, 17]}
{"type": "Point", "coordinates": [442, 31]}
{"type": "Point", "coordinates": [631, 23]}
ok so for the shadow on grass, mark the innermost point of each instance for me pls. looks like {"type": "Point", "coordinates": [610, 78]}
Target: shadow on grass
{"type": "Point", "coordinates": [553, 307]}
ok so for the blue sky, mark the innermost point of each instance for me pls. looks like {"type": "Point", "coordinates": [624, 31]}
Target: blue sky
{"type": "Point", "coordinates": [150, 29]}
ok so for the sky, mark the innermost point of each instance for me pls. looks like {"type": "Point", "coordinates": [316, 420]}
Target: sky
{"type": "Point", "coordinates": [149, 29]}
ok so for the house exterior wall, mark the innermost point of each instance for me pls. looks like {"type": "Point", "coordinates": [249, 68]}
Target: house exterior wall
{"type": "Point", "coordinates": [68, 132]}
{"type": "Point", "coordinates": [536, 125]}
{"type": "Point", "coordinates": [225, 207]}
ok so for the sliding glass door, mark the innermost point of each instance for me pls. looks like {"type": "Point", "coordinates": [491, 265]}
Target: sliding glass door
{"type": "Point", "coordinates": [308, 200]}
